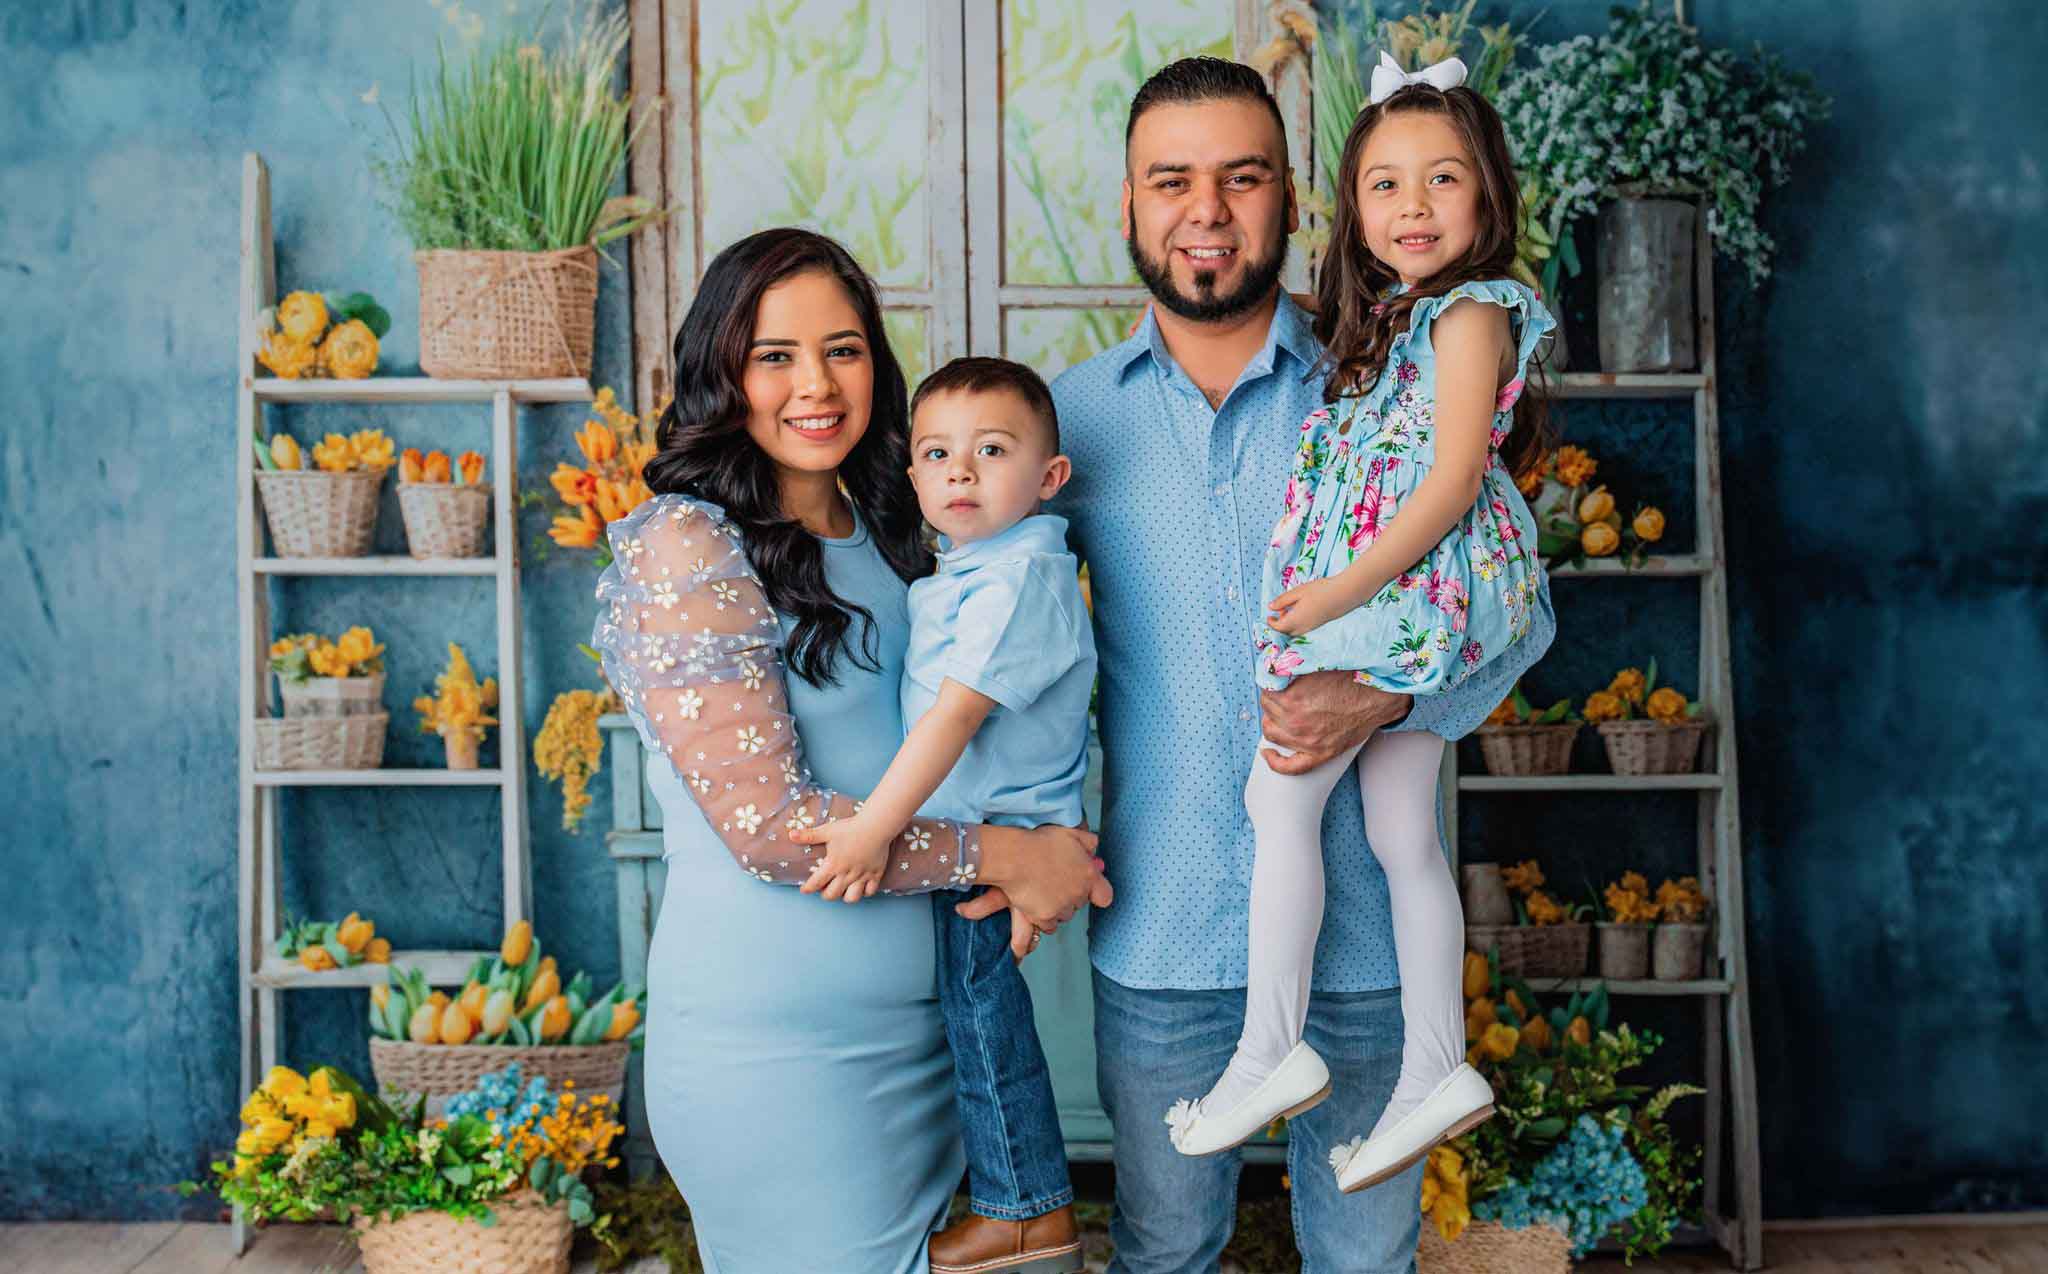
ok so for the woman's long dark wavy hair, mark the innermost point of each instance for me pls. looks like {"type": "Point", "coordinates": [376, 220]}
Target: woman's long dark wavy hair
{"type": "Point", "coordinates": [703, 449]}
{"type": "Point", "coordinates": [1357, 331]}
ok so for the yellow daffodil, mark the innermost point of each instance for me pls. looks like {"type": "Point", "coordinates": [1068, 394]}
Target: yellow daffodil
{"type": "Point", "coordinates": [1574, 467]}
{"type": "Point", "coordinates": [1499, 1041]}
{"type": "Point", "coordinates": [1629, 905]}
{"type": "Point", "coordinates": [1596, 506]}
{"type": "Point", "coordinates": [272, 1132]}
{"type": "Point", "coordinates": [333, 454]}
{"type": "Point", "coordinates": [1649, 524]}
{"type": "Point", "coordinates": [372, 449]}
{"type": "Point", "coordinates": [1523, 877]}
{"type": "Point", "coordinates": [359, 646]}
{"type": "Point", "coordinates": [350, 351]}
{"type": "Point", "coordinates": [1604, 705]}
{"type": "Point", "coordinates": [284, 452]}
{"type": "Point", "coordinates": [1628, 684]}
{"type": "Point", "coordinates": [1599, 539]}
{"type": "Point", "coordinates": [302, 316]}
{"type": "Point", "coordinates": [1666, 705]}
{"type": "Point", "coordinates": [285, 357]}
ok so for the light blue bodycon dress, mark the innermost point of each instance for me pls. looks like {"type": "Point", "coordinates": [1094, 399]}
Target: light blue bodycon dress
{"type": "Point", "coordinates": [798, 1083]}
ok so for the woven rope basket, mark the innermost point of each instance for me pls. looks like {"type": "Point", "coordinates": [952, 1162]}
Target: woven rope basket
{"type": "Point", "coordinates": [1651, 747]}
{"type": "Point", "coordinates": [443, 519]}
{"type": "Point", "coordinates": [316, 514]}
{"type": "Point", "coordinates": [332, 696]}
{"type": "Point", "coordinates": [531, 1237]}
{"type": "Point", "coordinates": [1487, 1248]}
{"type": "Point", "coordinates": [507, 315]}
{"type": "Point", "coordinates": [1534, 951]}
{"type": "Point", "coordinates": [1522, 750]}
{"type": "Point", "coordinates": [322, 743]}
{"type": "Point", "coordinates": [440, 1071]}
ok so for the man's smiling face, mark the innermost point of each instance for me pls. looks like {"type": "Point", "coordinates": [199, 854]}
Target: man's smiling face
{"type": "Point", "coordinates": [1208, 205]}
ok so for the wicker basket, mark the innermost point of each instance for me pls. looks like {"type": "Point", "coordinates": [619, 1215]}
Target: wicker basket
{"type": "Point", "coordinates": [1534, 951]}
{"type": "Point", "coordinates": [440, 1071]}
{"type": "Point", "coordinates": [1521, 750]}
{"type": "Point", "coordinates": [507, 315]}
{"type": "Point", "coordinates": [316, 514]}
{"type": "Point", "coordinates": [1486, 1247]}
{"type": "Point", "coordinates": [530, 1237]}
{"type": "Point", "coordinates": [321, 743]}
{"type": "Point", "coordinates": [1624, 951]}
{"type": "Point", "coordinates": [444, 519]}
{"type": "Point", "coordinates": [332, 696]}
{"type": "Point", "coordinates": [1651, 747]}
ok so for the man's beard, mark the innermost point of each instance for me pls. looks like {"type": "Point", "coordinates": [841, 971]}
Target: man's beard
{"type": "Point", "coordinates": [1207, 305]}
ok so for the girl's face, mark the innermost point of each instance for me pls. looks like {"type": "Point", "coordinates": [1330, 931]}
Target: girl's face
{"type": "Point", "coordinates": [810, 376]}
{"type": "Point", "coordinates": [1418, 194]}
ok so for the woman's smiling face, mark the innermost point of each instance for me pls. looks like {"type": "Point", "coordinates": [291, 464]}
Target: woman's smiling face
{"type": "Point", "coordinates": [1418, 194]}
{"type": "Point", "coordinates": [810, 377]}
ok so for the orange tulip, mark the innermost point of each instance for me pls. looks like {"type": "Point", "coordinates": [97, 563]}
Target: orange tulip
{"type": "Point", "coordinates": [317, 958]}
{"type": "Point", "coordinates": [554, 1021]}
{"type": "Point", "coordinates": [409, 465]}
{"type": "Point", "coordinates": [424, 1028]}
{"type": "Point", "coordinates": [624, 1018]}
{"type": "Point", "coordinates": [379, 951]}
{"type": "Point", "coordinates": [354, 933]}
{"type": "Point", "coordinates": [472, 466]}
{"type": "Point", "coordinates": [1580, 1032]}
{"type": "Point", "coordinates": [579, 532]}
{"type": "Point", "coordinates": [436, 467]}
{"type": "Point", "coordinates": [472, 1000]}
{"type": "Point", "coordinates": [1536, 1035]}
{"type": "Point", "coordinates": [577, 487]}
{"type": "Point", "coordinates": [545, 984]}
{"type": "Point", "coordinates": [598, 441]}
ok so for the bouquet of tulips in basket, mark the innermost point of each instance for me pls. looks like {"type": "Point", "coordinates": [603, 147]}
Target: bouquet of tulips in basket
{"type": "Point", "coordinates": [318, 1145]}
{"type": "Point", "coordinates": [364, 451]}
{"type": "Point", "coordinates": [517, 998]}
{"type": "Point", "coordinates": [466, 470]}
{"type": "Point", "coordinates": [616, 446]}
{"type": "Point", "coordinates": [1576, 520]}
{"type": "Point", "coordinates": [1571, 1144]}
{"type": "Point", "coordinates": [294, 338]}
{"type": "Point", "coordinates": [324, 944]}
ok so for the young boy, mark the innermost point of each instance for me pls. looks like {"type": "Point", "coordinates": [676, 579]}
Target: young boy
{"type": "Point", "coordinates": [995, 688]}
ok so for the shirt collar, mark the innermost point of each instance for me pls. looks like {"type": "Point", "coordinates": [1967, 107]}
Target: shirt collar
{"type": "Point", "coordinates": [1291, 330]}
{"type": "Point", "coordinates": [1038, 533]}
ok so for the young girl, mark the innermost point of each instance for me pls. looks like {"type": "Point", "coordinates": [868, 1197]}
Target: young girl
{"type": "Point", "coordinates": [1403, 554]}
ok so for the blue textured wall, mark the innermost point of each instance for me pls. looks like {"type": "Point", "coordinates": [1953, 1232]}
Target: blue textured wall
{"type": "Point", "coordinates": [1881, 409]}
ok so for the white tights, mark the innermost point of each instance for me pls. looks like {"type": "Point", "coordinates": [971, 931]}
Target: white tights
{"type": "Point", "coordinates": [1397, 781]}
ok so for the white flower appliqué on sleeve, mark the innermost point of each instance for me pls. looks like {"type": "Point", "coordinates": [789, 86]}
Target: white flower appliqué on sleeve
{"type": "Point", "coordinates": [750, 740]}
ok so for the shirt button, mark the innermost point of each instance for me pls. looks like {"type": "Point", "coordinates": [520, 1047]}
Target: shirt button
{"type": "Point", "coordinates": [1244, 714]}
{"type": "Point", "coordinates": [1231, 592]}
{"type": "Point", "coordinates": [1223, 488]}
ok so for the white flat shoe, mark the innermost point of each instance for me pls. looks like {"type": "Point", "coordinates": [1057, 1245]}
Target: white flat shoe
{"type": "Point", "coordinates": [1299, 1083]}
{"type": "Point", "coordinates": [1461, 1103]}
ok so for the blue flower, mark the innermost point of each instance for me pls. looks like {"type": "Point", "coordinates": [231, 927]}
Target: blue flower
{"type": "Point", "coordinates": [1585, 1187]}
{"type": "Point", "coordinates": [500, 1091]}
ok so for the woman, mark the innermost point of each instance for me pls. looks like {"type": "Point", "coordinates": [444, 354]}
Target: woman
{"type": "Point", "coordinates": [797, 1080]}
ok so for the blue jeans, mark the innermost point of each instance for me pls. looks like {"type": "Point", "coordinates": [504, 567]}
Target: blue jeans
{"type": "Point", "coordinates": [1016, 1157]}
{"type": "Point", "coordinates": [1173, 1213]}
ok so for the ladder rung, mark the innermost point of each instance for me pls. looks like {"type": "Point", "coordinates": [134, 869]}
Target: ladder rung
{"type": "Point", "coordinates": [443, 968]}
{"type": "Point", "coordinates": [423, 777]}
{"type": "Point", "coordinates": [381, 564]}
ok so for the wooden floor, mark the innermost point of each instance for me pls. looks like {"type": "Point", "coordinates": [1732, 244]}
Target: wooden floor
{"type": "Point", "coordinates": [171, 1248]}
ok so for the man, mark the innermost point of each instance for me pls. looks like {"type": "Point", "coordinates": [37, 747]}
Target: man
{"type": "Point", "coordinates": [1182, 439]}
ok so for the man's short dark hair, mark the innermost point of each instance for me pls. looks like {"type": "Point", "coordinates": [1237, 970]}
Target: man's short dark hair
{"type": "Point", "coordinates": [1204, 79]}
{"type": "Point", "coordinates": [991, 376]}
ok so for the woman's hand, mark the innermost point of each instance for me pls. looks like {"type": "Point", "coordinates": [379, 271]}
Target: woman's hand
{"type": "Point", "coordinates": [1308, 606]}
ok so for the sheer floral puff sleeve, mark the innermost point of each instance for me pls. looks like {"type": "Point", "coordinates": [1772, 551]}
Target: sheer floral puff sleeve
{"type": "Point", "coordinates": [694, 651]}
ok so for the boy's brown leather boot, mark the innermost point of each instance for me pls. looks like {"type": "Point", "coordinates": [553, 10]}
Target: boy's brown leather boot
{"type": "Point", "coordinates": [1049, 1244]}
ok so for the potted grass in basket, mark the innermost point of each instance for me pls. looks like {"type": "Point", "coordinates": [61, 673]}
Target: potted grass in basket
{"type": "Point", "coordinates": [501, 179]}
{"type": "Point", "coordinates": [1518, 740]}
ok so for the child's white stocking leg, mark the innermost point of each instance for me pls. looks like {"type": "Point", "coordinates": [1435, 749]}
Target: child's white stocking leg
{"type": "Point", "coordinates": [1286, 915]}
{"type": "Point", "coordinates": [1397, 778]}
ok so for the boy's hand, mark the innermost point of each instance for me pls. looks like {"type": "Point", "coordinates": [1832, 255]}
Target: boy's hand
{"type": "Point", "coordinates": [855, 854]}
{"type": "Point", "coordinates": [1307, 606]}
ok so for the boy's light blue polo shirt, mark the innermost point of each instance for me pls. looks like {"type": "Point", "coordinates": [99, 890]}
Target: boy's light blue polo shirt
{"type": "Point", "coordinates": [1004, 617]}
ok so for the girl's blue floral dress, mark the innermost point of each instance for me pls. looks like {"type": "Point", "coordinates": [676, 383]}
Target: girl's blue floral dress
{"type": "Point", "coordinates": [1458, 628]}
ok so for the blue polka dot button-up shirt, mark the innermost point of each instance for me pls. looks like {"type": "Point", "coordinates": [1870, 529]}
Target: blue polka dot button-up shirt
{"type": "Point", "coordinates": [1171, 505]}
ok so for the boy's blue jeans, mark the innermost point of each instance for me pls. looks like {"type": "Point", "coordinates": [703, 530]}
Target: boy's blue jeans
{"type": "Point", "coordinates": [1016, 1158]}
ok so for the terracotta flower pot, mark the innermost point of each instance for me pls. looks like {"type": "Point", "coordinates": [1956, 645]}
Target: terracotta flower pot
{"type": "Point", "coordinates": [462, 746]}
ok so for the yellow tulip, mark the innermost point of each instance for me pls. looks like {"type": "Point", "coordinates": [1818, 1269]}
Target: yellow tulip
{"type": "Point", "coordinates": [333, 454]}
{"type": "Point", "coordinates": [380, 995]}
{"type": "Point", "coordinates": [283, 1082]}
{"type": "Point", "coordinates": [1579, 1032]}
{"type": "Point", "coordinates": [1499, 1041]}
{"type": "Point", "coordinates": [355, 932]}
{"type": "Point", "coordinates": [372, 448]}
{"type": "Point", "coordinates": [624, 1018]}
{"type": "Point", "coordinates": [518, 943]}
{"type": "Point", "coordinates": [1477, 975]}
{"type": "Point", "coordinates": [379, 951]}
{"type": "Point", "coordinates": [472, 1000]}
{"type": "Point", "coordinates": [424, 1028]}
{"type": "Point", "coordinates": [546, 984]}
{"type": "Point", "coordinates": [302, 316]}
{"type": "Point", "coordinates": [456, 1027]}
{"type": "Point", "coordinates": [497, 1014]}
{"type": "Point", "coordinates": [1649, 524]}
{"type": "Point", "coordinates": [439, 999]}
{"type": "Point", "coordinates": [1596, 506]}
{"type": "Point", "coordinates": [554, 1020]}
{"type": "Point", "coordinates": [597, 441]}
{"type": "Point", "coordinates": [271, 1133]}
{"type": "Point", "coordinates": [284, 452]}
{"type": "Point", "coordinates": [1666, 705]}
{"type": "Point", "coordinates": [350, 351]}
{"type": "Point", "coordinates": [316, 957]}
{"type": "Point", "coordinates": [249, 1145]}
{"type": "Point", "coordinates": [1536, 1034]}
{"type": "Point", "coordinates": [409, 466]}
{"type": "Point", "coordinates": [1599, 539]}
{"type": "Point", "coordinates": [326, 660]}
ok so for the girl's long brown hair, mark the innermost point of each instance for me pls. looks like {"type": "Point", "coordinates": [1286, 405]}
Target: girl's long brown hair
{"type": "Point", "coordinates": [1356, 331]}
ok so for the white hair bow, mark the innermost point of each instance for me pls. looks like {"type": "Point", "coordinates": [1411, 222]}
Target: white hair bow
{"type": "Point", "coordinates": [1388, 77]}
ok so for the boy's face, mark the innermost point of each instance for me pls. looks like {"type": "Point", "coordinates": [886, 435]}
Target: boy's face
{"type": "Point", "coordinates": [981, 462]}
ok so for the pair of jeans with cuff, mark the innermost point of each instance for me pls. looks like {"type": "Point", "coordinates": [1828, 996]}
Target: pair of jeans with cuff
{"type": "Point", "coordinates": [1016, 1157]}
{"type": "Point", "coordinates": [1173, 1213]}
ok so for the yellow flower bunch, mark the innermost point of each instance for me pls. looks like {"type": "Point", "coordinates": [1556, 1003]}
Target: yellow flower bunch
{"type": "Point", "coordinates": [1628, 900]}
{"type": "Point", "coordinates": [322, 945]}
{"type": "Point", "coordinates": [1524, 877]}
{"type": "Point", "coordinates": [616, 447]}
{"type": "Point", "coordinates": [1629, 685]}
{"type": "Point", "coordinates": [290, 341]}
{"type": "Point", "coordinates": [1634, 693]}
{"type": "Point", "coordinates": [1446, 1198]}
{"type": "Point", "coordinates": [1682, 901]}
{"type": "Point", "coordinates": [287, 1109]}
{"type": "Point", "coordinates": [1574, 522]}
{"type": "Point", "coordinates": [1542, 909]}
{"type": "Point", "coordinates": [458, 703]}
{"type": "Point", "coordinates": [1668, 706]}
{"type": "Point", "coordinates": [434, 467]}
{"type": "Point", "coordinates": [570, 747]}
{"type": "Point", "coordinates": [580, 1132]}
{"type": "Point", "coordinates": [357, 653]}
{"type": "Point", "coordinates": [365, 449]}
{"type": "Point", "coordinates": [1573, 466]}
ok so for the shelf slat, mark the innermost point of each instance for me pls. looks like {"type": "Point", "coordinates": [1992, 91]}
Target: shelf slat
{"type": "Point", "coordinates": [394, 777]}
{"type": "Point", "coordinates": [1627, 384]}
{"type": "Point", "coordinates": [1681, 564]}
{"type": "Point", "coordinates": [416, 389]}
{"type": "Point", "coordinates": [381, 564]}
{"type": "Point", "coordinates": [443, 968]}
{"type": "Point", "coordinates": [1644, 986]}
{"type": "Point", "coordinates": [1590, 783]}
